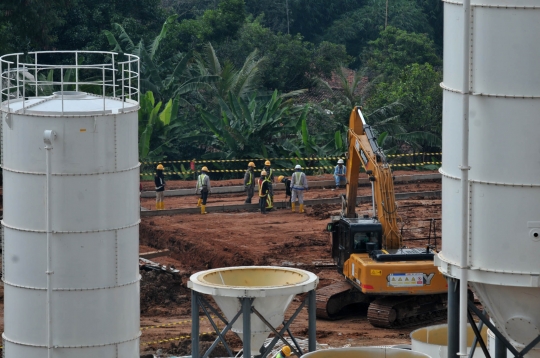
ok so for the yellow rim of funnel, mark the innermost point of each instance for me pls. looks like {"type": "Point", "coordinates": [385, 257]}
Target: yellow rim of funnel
{"type": "Point", "coordinates": [253, 281]}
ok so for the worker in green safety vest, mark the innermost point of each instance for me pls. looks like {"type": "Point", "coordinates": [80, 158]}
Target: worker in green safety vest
{"type": "Point", "coordinates": [284, 352]}
{"type": "Point", "coordinates": [249, 182]}
{"type": "Point", "coordinates": [270, 177]}
{"type": "Point", "coordinates": [203, 185]}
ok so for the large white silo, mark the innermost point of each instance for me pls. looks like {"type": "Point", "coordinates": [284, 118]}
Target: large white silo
{"type": "Point", "coordinates": [71, 205]}
{"type": "Point", "coordinates": [491, 164]}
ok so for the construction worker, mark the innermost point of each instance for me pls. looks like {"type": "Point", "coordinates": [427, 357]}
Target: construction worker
{"type": "Point", "coordinates": [203, 184]}
{"type": "Point", "coordinates": [287, 182]}
{"type": "Point", "coordinates": [159, 181]}
{"type": "Point", "coordinates": [270, 177]}
{"type": "Point", "coordinates": [249, 182]}
{"type": "Point", "coordinates": [284, 352]}
{"type": "Point", "coordinates": [340, 173]}
{"type": "Point", "coordinates": [264, 191]}
{"type": "Point", "coordinates": [298, 185]}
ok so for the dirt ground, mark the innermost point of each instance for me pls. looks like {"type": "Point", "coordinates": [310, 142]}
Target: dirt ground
{"type": "Point", "coordinates": [200, 242]}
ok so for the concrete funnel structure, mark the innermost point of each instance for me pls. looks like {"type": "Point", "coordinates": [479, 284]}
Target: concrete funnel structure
{"type": "Point", "coordinates": [365, 352]}
{"type": "Point", "coordinates": [433, 341]}
{"type": "Point", "coordinates": [271, 289]}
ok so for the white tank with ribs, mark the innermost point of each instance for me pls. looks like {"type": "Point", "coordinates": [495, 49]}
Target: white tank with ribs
{"type": "Point", "coordinates": [500, 252]}
{"type": "Point", "coordinates": [71, 204]}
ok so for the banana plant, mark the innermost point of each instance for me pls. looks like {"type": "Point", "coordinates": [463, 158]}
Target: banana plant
{"type": "Point", "coordinates": [251, 127]}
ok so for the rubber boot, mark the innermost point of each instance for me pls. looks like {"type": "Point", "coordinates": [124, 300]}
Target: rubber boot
{"type": "Point", "coordinates": [292, 207]}
{"type": "Point", "coordinates": [199, 203]}
{"type": "Point", "coordinates": [162, 205]}
{"type": "Point", "coordinates": [158, 206]}
{"type": "Point", "coordinates": [301, 208]}
{"type": "Point", "coordinates": [203, 209]}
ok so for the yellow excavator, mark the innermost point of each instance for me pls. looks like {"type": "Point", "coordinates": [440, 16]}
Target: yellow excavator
{"type": "Point", "coordinates": [401, 285]}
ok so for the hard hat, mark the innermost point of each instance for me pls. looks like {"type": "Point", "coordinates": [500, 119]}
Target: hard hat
{"type": "Point", "coordinates": [251, 164]}
{"type": "Point", "coordinates": [160, 167]}
{"type": "Point", "coordinates": [297, 166]}
{"type": "Point", "coordinates": [280, 178]}
{"type": "Point", "coordinates": [204, 169]}
{"type": "Point", "coordinates": [267, 162]}
{"type": "Point", "coordinates": [340, 161]}
{"type": "Point", "coordinates": [263, 172]}
{"type": "Point", "coordinates": [286, 350]}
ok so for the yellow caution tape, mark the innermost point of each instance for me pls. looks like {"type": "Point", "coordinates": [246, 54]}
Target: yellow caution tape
{"type": "Point", "coordinates": [179, 338]}
{"type": "Point", "coordinates": [282, 170]}
{"type": "Point", "coordinates": [259, 159]}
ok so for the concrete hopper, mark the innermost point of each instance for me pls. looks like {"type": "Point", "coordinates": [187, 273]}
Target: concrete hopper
{"type": "Point", "coordinates": [365, 352]}
{"type": "Point", "coordinates": [271, 290]}
{"type": "Point", "coordinates": [433, 341]}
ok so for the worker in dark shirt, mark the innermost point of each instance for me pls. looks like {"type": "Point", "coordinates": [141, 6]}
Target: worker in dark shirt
{"type": "Point", "coordinates": [287, 182]}
{"type": "Point", "coordinates": [264, 191]}
{"type": "Point", "coordinates": [159, 181]}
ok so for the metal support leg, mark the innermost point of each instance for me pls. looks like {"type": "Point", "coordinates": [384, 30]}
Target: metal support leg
{"type": "Point", "coordinates": [453, 317]}
{"type": "Point", "coordinates": [477, 334]}
{"type": "Point", "coordinates": [246, 317]}
{"type": "Point", "coordinates": [312, 319]}
{"type": "Point", "coordinates": [500, 349]}
{"type": "Point", "coordinates": [194, 325]}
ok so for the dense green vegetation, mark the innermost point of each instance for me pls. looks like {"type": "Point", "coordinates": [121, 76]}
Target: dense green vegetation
{"type": "Point", "coordinates": [225, 79]}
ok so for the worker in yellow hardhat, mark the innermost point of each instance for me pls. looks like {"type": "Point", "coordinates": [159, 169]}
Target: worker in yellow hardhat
{"type": "Point", "coordinates": [264, 192]}
{"type": "Point", "coordinates": [203, 184]}
{"type": "Point", "coordinates": [249, 182]}
{"type": "Point", "coordinates": [270, 177]}
{"type": "Point", "coordinates": [284, 352]}
{"type": "Point", "coordinates": [159, 181]}
{"type": "Point", "coordinates": [287, 182]}
{"type": "Point", "coordinates": [298, 186]}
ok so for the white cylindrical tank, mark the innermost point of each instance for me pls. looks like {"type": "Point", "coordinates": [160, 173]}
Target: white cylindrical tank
{"type": "Point", "coordinates": [433, 341]}
{"type": "Point", "coordinates": [71, 209]}
{"type": "Point", "coordinates": [504, 179]}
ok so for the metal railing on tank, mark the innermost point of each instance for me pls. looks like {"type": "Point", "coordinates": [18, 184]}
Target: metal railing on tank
{"type": "Point", "coordinates": [98, 73]}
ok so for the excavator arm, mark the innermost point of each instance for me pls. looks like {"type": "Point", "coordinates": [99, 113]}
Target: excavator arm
{"type": "Point", "coordinates": [364, 151]}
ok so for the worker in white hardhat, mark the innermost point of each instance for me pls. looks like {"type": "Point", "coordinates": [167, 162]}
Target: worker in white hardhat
{"type": "Point", "coordinates": [340, 174]}
{"type": "Point", "coordinates": [249, 182]}
{"type": "Point", "coordinates": [159, 181]}
{"type": "Point", "coordinates": [298, 186]}
{"type": "Point", "coordinates": [264, 192]}
{"type": "Point", "coordinates": [203, 184]}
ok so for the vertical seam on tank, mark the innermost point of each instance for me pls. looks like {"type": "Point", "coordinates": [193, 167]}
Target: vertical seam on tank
{"type": "Point", "coordinates": [470, 222]}
{"type": "Point", "coordinates": [115, 150]}
{"type": "Point", "coordinates": [116, 254]}
{"type": "Point", "coordinates": [471, 44]}
{"type": "Point", "coordinates": [3, 254]}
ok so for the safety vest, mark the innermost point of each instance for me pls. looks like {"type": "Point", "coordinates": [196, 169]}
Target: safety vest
{"type": "Point", "coordinates": [297, 178]}
{"type": "Point", "coordinates": [201, 180]}
{"type": "Point", "coordinates": [250, 177]}
{"type": "Point", "coordinates": [270, 171]}
{"type": "Point", "coordinates": [261, 185]}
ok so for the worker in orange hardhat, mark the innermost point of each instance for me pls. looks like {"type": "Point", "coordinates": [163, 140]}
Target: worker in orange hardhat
{"type": "Point", "coordinates": [270, 177]}
{"type": "Point", "coordinates": [159, 181]}
{"type": "Point", "coordinates": [203, 184]}
{"type": "Point", "coordinates": [298, 186]}
{"type": "Point", "coordinates": [284, 352]}
{"type": "Point", "coordinates": [249, 182]}
{"type": "Point", "coordinates": [287, 182]}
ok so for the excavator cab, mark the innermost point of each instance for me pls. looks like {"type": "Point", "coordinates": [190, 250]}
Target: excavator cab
{"type": "Point", "coordinates": [354, 236]}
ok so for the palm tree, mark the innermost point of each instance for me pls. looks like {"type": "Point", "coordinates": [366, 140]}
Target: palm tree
{"type": "Point", "coordinates": [167, 80]}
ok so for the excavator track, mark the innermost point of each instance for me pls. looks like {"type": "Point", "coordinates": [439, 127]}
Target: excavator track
{"type": "Point", "coordinates": [403, 311]}
{"type": "Point", "coordinates": [333, 298]}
